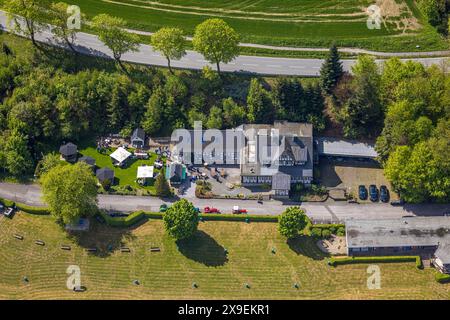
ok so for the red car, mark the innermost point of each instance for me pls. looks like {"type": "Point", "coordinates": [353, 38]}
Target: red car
{"type": "Point", "coordinates": [237, 210]}
{"type": "Point", "coordinates": [211, 210]}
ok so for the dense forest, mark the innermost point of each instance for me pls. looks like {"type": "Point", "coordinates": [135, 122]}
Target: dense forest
{"type": "Point", "coordinates": [406, 108]}
{"type": "Point", "coordinates": [45, 100]}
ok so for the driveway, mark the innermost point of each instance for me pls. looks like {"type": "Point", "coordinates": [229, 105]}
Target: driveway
{"type": "Point", "coordinates": [320, 212]}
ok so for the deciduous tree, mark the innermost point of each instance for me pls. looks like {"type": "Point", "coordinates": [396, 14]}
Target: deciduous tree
{"type": "Point", "coordinates": [25, 14]}
{"type": "Point", "coordinates": [70, 192]}
{"type": "Point", "coordinates": [181, 220]}
{"type": "Point", "coordinates": [260, 108]}
{"type": "Point", "coordinates": [291, 222]}
{"type": "Point", "coordinates": [170, 42]}
{"type": "Point", "coordinates": [61, 31]}
{"type": "Point", "coordinates": [216, 41]}
{"type": "Point", "coordinates": [112, 33]}
{"type": "Point", "coordinates": [162, 186]}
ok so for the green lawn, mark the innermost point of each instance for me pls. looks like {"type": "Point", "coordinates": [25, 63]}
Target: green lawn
{"type": "Point", "coordinates": [170, 273]}
{"type": "Point", "coordinates": [306, 23]}
{"type": "Point", "coordinates": [123, 176]}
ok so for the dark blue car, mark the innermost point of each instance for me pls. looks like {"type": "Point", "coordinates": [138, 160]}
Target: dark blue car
{"type": "Point", "coordinates": [384, 194]}
{"type": "Point", "coordinates": [373, 192]}
{"type": "Point", "coordinates": [362, 191]}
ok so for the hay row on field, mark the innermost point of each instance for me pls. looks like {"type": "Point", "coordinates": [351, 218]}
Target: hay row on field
{"type": "Point", "coordinates": [357, 16]}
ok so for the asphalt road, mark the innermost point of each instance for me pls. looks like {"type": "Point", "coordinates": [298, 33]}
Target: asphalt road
{"type": "Point", "coordinates": [320, 212]}
{"type": "Point", "coordinates": [90, 44]}
{"type": "Point", "coordinates": [438, 53]}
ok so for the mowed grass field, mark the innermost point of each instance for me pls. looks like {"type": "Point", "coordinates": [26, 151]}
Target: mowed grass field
{"type": "Point", "coordinates": [170, 273]}
{"type": "Point", "coordinates": [305, 23]}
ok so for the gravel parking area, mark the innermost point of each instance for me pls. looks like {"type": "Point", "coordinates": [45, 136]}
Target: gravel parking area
{"type": "Point", "coordinates": [349, 174]}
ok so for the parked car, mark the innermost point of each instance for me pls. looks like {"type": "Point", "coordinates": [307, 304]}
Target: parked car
{"type": "Point", "coordinates": [163, 207]}
{"type": "Point", "coordinates": [211, 210]}
{"type": "Point", "coordinates": [384, 193]}
{"type": "Point", "coordinates": [237, 210]}
{"type": "Point", "coordinates": [362, 191]}
{"type": "Point", "coordinates": [8, 212]}
{"type": "Point", "coordinates": [399, 202]}
{"type": "Point", "coordinates": [373, 193]}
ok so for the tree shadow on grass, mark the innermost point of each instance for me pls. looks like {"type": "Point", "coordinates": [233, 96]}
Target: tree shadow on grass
{"type": "Point", "coordinates": [201, 247]}
{"type": "Point", "coordinates": [306, 246]}
{"type": "Point", "coordinates": [105, 239]}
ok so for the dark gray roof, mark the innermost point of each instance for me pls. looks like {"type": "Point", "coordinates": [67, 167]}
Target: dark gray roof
{"type": "Point", "coordinates": [138, 133]}
{"type": "Point", "coordinates": [297, 147]}
{"type": "Point", "coordinates": [68, 149]}
{"type": "Point", "coordinates": [410, 231]}
{"type": "Point", "coordinates": [281, 181]}
{"type": "Point", "coordinates": [237, 138]}
{"type": "Point", "coordinates": [89, 160]}
{"type": "Point", "coordinates": [105, 173]}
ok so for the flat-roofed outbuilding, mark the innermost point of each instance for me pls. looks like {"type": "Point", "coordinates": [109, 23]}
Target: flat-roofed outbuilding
{"type": "Point", "coordinates": [345, 148]}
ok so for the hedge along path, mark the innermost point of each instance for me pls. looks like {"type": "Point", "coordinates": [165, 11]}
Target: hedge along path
{"type": "Point", "coordinates": [376, 259]}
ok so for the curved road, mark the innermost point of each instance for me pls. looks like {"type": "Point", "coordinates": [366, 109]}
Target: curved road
{"type": "Point", "coordinates": [320, 212]}
{"type": "Point", "coordinates": [90, 44]}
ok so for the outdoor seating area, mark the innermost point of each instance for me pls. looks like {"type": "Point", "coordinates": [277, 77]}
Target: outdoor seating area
{"type": "Point", "coordinates": [334, 245]}
{"type": "Point", "coordinates": [117, 169]}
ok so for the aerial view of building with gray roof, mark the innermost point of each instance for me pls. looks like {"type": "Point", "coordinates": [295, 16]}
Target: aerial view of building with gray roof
{"type": "Point", "coordinates": [425, 236]}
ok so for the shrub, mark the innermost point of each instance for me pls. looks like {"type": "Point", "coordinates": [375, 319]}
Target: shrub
{"type": "Point", "coordinates": [25, 208]}
{"type": "Point", "coordinates": [32, 210]}
{"type": "Point", "coordinates": [442, 277]}
{"type": "Point", "coordinates": [316, 232]}
{"type": "Point", "coordinates": [319, 190]}
{"type": "Point", "coordinates": [340, 232]}
{"type": "Point", "coordinates": [106, 184]}
{"type": "Point", "coordinates": [326, 233]}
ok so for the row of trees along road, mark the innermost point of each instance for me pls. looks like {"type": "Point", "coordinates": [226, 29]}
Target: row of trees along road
{"type": "Point", "coordinates": [214, 39]}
